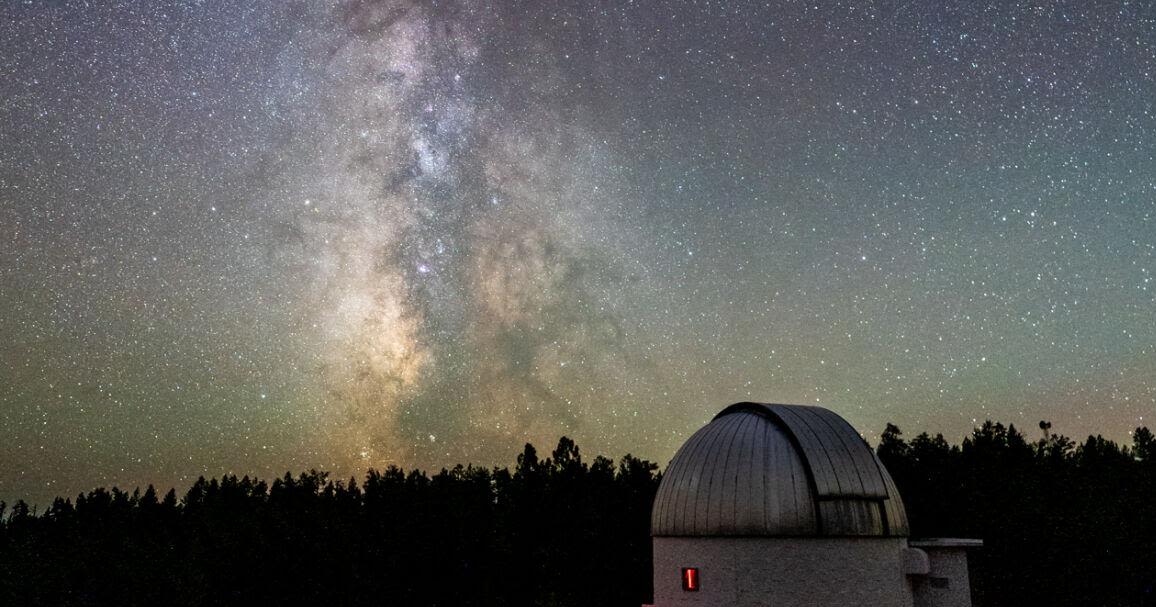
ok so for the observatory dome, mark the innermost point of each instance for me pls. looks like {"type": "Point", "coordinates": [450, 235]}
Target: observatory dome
{"type": "Point", "coordinates": [777, 470]}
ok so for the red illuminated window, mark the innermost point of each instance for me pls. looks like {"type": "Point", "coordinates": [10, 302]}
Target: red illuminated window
{"type": "Point", "coordinates": [690, 579]}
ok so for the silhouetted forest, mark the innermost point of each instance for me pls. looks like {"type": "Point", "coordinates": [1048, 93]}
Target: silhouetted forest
{"type": "Point", "coordinates": [1063, 524]}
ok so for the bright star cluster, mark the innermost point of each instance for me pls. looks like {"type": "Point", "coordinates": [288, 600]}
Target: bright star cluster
{"type": "Point", "coordinates": [252, 237]}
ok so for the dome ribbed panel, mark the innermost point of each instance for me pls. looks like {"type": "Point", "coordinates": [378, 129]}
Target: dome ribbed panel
{"type": "Point", "coordinates": [777, 470]}
{"type": "Point", "coordinates": [736, 476]}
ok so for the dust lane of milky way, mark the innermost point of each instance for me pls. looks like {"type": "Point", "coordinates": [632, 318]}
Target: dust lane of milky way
{"type": "Point", "coordinates": [282, 235]}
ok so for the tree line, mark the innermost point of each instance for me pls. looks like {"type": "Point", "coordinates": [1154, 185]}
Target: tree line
{"type": "Point", "coordinates": [1063, 524]}
{"type": "Point", "coordinates": [554, 531]}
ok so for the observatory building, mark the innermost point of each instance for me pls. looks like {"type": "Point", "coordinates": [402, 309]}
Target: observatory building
{"type": "Point", "coordinates": [787, 505]}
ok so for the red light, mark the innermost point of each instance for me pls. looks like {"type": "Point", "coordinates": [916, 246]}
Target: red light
{"type": "Point", "coordinates": [690, 579]}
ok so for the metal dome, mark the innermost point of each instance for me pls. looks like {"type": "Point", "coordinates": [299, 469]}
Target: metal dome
{"type": "Point", "coordinates": [777, 470]}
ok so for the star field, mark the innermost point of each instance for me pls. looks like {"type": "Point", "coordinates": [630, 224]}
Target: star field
{"type": "Point", "coordinates": [277, 235]}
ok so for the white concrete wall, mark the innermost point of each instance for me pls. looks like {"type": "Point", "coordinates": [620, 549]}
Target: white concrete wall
{"type": "Point", "coordinates": [782, 572]}
{"type": "Point", "coordinates": [947, 585]}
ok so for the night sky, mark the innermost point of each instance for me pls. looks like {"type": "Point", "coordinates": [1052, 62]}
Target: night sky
{"type": "Point", "coordinates": [261, 236]}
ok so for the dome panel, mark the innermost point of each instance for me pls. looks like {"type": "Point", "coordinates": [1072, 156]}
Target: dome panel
{"type": "Point", "coordinates": [777, 470]}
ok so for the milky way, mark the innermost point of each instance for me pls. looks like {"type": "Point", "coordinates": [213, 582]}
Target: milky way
{"type": "Point", "coordinates": [277, 235]}
{"type": "Point", "coordinates": [444, 228]}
